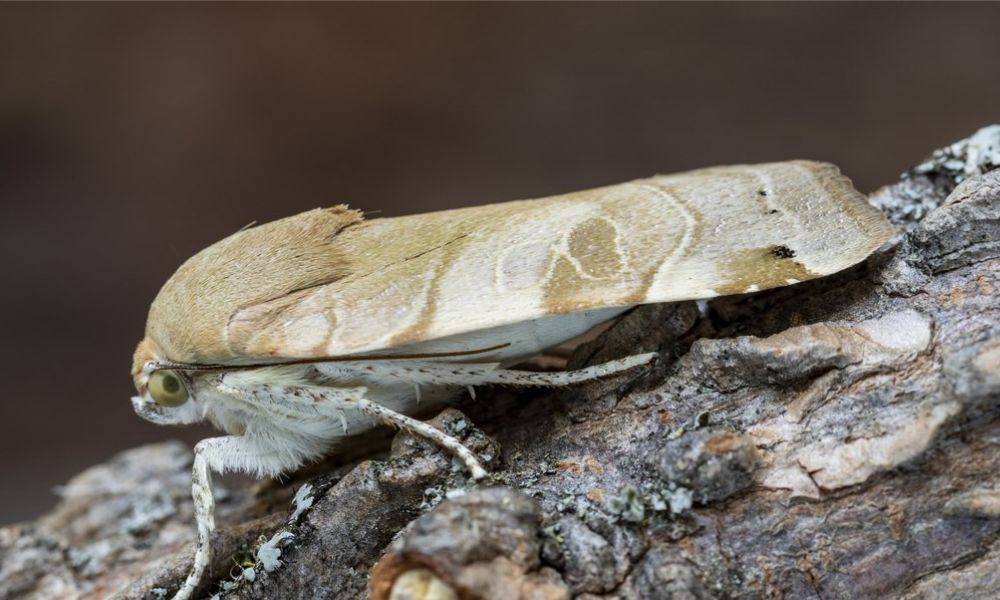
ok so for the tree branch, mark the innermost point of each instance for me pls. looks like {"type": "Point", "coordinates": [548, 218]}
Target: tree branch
{"type": "Point", "coordinates": [833, 439]}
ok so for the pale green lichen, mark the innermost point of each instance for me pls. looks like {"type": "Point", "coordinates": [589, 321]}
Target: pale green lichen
{"type": "Point", "coordinates": [247, 573]}
{"type": "Point", "coordinates": [629, 505]}
{"type": "Point", "coordinates": [302, 502]}
{"type": "Point", "coordinates": [554, 533]}
{"type": "Point", "coordinates": [566, 504]}
{"type": "Point", "coordinates": [147, 511]}
{"type": "Point", "coordinates": [635, 506]}
{"type": "Point", "coordinates": [680, 500]}
{"type": "Point", "coordinates": [456, 427]}
{"type": "Point", "coordinates": [432, 497]}
{"type": "Point", "coordinates": [975, 155]}
{"type": "Point", "coordinates": [92, 558]}
{"type": "Point", "coordinates": [269, 553]}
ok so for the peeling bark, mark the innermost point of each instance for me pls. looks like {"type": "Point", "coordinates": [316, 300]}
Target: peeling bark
{"type": "Point", "coordinates": [836, 439]}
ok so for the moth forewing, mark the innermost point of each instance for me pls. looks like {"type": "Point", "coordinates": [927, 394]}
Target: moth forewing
{"type": "Point", "coordinates": [291, 335]}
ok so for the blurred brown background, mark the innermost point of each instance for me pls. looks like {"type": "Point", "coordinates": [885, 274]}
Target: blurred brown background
{"type": "Point", "coordinates": [132, 136]}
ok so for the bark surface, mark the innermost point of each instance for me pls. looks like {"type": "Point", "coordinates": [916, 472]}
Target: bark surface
{"type": "Point", "coordinates": [838, 438]}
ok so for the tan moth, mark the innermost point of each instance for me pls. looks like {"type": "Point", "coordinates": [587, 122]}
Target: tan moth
{"type": "Point", "coordinates": [291, 335]}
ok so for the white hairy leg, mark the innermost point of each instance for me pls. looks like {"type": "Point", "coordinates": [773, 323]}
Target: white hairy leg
{"type": "Point", "coordinates": [212, 454]}
{"type": "Point", "coordinates": [309, 398]}
{"type": "Point", "coordinates": [204, 510]}
{"type": "Point", "coordinates": [293, 399]}
{"type": "Point", "coordinates": [436, 373]}
{"type": "Point", "coordinates": [423, 429]}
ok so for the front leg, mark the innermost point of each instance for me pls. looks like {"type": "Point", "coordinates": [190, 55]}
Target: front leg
{"type": "Point", "coordinates": [219, 454]}
{"type": "Point", "coordinates": [342, 404]}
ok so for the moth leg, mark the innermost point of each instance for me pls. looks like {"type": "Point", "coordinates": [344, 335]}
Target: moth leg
{"type": "Point", "coordinates": [204, 510]}
{"type": "Point", "coordinates": [297, 401]}
{"type": "Point", "coordinates": [423, 429]}
{"type": "Point", "coordinates": [436, 373]}
{"type": "Point", "coordinates": [561, 378]}
{"type": "Point", "coordinates": [337, 399]}
{"type": "Point", "coordinates": [209, 454]}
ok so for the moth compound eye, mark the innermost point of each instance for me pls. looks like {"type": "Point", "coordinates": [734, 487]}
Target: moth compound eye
{"type": "Point", "coordinates": [167, 389]}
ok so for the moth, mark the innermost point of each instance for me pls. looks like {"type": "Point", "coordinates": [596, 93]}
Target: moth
{"type": "Point", "coordinates": [291, 335]}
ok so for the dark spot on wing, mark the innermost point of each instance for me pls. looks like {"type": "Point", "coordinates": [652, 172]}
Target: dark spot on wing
{"type": "Point", "coordinates": [764, 268]}
{"type": "Point", "coordinates": [783, 252]}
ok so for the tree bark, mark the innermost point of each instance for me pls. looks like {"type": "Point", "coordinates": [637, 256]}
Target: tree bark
{"type": "Point", "coordinates": [838, 438]}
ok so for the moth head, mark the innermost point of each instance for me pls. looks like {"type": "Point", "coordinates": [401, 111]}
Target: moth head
{"type": "Point", "coordinates": [164, 393]}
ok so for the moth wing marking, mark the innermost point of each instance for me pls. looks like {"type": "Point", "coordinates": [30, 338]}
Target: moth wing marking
{"type": "Point", "coordinates": [686, 236]}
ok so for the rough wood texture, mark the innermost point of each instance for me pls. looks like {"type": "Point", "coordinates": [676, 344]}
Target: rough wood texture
{"type": "Point", "coordinates": [835, 439]}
